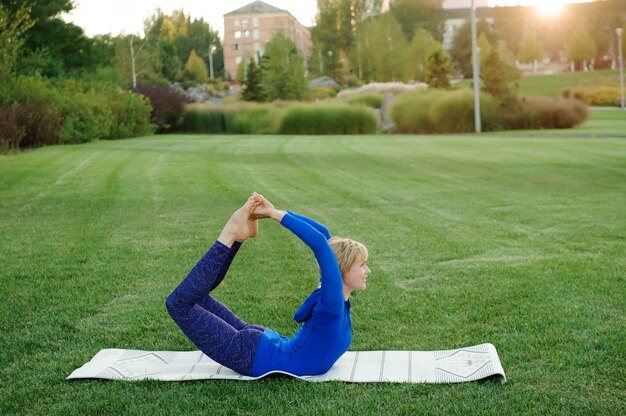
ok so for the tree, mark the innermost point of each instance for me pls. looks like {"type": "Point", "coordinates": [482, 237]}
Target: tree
{"type": "Point", "coordinates": [581, 47]}
{"type": "Point", "coordinates": [499, 78]}
{"type": "Point", "coordinates": [335, 32]}
{"type": "Point", "coordinates": [462, 45]}
{"type": "Point", "coordinates": [383, 44]}
{"type": "Point", "coordinates": [11, 41]}
{"type": "Point", "coordinates": [530, 51]}
{"type": "Point", "coordinates": [439, 69]}
{"type": "Point", "coordinates": [252, 86]}
{"type": "Point", "coordinates": [52, 47]}
{"type": "Point", "coordinates": [484, 47]}
{"type": "Point", "coordinates": [417, 53]}
{"type": "Point", "coordinates": [195, 69]}
{"type": "Point", "coordinates": [282, 70]}
{"type": "Point", "coordinates": [420, 14]}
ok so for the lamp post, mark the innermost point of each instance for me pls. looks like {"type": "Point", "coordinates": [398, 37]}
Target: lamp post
{"type": "Point", "coordinates": [476, 71]}
{"type": "Point", "coordinates": [619, 31]}
{"type": "Point", "coordinates": [211, 51]}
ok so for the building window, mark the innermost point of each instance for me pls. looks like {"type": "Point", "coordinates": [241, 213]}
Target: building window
{"type": "Point", "coordinates": [236, 47]}
{"type": "Point", "coordinates": [237, 22]}
{"type": "Point", "coordinates": [238, 34]}
{"type": "Point", "coordinates": [255, 33]}
{"type": "Point", "coordinates": [244, 22]}
{"type": "Point", "coordinates": [255, 22]}
{"type": "Point", "coordinates": [238, 60]}
{"type": "Point", "coordinates": [257, 47]}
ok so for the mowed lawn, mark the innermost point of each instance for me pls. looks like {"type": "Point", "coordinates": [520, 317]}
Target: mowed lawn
{"type": "Point", "coordinates": [520, 242]}
{"type": "Point", "coordinates": [552, 85]}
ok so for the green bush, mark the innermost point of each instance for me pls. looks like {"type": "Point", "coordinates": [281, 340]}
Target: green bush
{"type": "Point", "coordinates": [454, 113]}
{"type": "Point", "coordinates": [369, 100]}
{"type": "Point", "coordinates": [235, 119]}
{"type": "Point", "coordinates": [254, 120]}
{"type": "Point", "coordinates": [71, 111]}
{"type": "Point", "coordinates": [440, 111]}
{"type": "Point", "coordinates": [328, 119]}
{"type": "Point", "coordinates": [36, 108]}
{"type": "Point", "coordinates": [214, 121]}
{"type": "Point", "coordinates": [131, 115]}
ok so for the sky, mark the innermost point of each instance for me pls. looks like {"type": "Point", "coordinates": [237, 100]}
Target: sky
{"type": "Point", "coordinates": [115, 16]}
{"type": "Point", "coordinates": [127, 16]}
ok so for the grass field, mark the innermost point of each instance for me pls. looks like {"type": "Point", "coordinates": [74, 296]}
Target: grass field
{"type": "Point", "coordinates": [516, 241]}
{"type": "Point", "coordinates": [551, 85]}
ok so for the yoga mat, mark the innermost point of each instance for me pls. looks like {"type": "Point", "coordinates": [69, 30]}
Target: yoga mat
{"type": "Point", "coordinates": [451, 366]}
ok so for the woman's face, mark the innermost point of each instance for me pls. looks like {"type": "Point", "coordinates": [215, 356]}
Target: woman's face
{"type": "Point", "coordinates": [356, 277]}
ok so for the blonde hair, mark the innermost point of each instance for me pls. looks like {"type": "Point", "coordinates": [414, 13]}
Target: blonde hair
{"type": "Point", "coordinates": [347, 252]}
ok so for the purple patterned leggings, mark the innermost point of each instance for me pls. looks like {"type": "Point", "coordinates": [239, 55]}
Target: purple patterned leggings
{"type": "Point", "coordinates": [211, 326]}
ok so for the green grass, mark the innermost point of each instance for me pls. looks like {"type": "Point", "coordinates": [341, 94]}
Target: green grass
{"type": "Point", "coordinates": [551, 85]}
{"type": "Point", "coordinates": [520, 242]}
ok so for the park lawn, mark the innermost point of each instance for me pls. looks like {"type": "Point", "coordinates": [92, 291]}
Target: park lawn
{"type": "Point", "coordinates": [551, 85]}
{"type": "Point", "coordinates": [516, 241]}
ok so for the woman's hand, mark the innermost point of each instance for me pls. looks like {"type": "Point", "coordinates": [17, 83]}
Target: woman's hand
{"type": "Point", "coordinates": [265, 209]}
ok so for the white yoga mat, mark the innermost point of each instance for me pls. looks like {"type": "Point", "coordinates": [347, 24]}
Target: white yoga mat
{"type": "Point", "coordinates": [451, 366]}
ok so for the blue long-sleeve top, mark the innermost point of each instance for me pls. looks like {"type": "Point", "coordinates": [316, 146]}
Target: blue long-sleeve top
{"type": "Point", "coordinates": [327, 330]}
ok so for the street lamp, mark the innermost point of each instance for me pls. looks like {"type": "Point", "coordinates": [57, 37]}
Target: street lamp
{"type": "Point", "coordinates": [211, 51]}
{"type": "Point", "coordinates": [619, 31]}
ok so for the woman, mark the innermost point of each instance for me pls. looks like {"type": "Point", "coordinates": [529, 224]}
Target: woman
{"type": "Point", "coordinates": [252, 350]}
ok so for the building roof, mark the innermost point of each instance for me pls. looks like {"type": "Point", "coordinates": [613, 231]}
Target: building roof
{"type": "Point", "coordinates": [256, 7]}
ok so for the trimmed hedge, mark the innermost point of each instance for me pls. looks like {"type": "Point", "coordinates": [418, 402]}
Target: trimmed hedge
{"type": "Point", "coordinates": [328, 119]}
{"type": "Point", "coordinates": [236, 119]}
{"type": "Point", "coordinates": [281, 118]}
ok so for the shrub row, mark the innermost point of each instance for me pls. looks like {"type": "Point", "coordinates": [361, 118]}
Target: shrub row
{"type": "Point", "coordinates": [439, 111]}
{"type": "Point", "coordinates": [598, 96]}
{"type": "Point", "coordinates": [37, 112]}
{"type": "Point", "coordinates": [329, 119]}
{"type": "Point", "coordinates": [235, 119]}
{"type": "Point", "coordinates": [279, 118]}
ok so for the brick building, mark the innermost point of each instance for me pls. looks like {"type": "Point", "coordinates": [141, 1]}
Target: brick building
{"type": "Point", "coordinates": [248, 29]}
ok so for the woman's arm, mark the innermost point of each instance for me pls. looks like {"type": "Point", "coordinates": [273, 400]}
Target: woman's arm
{"type": "Point", "coordinates": [319, 227]}
{"type": "Point", "coordinates": [331, 294]}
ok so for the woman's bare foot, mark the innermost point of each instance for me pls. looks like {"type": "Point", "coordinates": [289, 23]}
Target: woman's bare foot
{"type": "Point", "coordinates": [240, 226]}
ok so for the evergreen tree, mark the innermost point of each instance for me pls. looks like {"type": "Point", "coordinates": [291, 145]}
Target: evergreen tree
{"type": "Point", "coordinates": [581, 47]}
{"type": "Point", "coordinates": [195, 69]}
{"type": "Point", "coordinates": [282, 70]}
{"type": "Point", "coordinates": [499, 78]}
{"type": "Point", "coordinates": [462, 45]}
{"type": "Point", "coordinates": [416, 56]}
{"type": "Point", "coordinates": [252, 86]}
{"type": "Point", "coordinates": [439, 69]}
